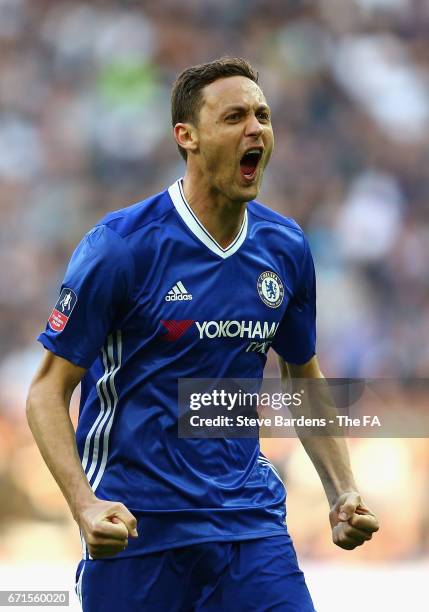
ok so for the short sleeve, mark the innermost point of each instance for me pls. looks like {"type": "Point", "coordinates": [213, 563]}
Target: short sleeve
{"type": "Point", "coordinates": [295, 340]}
{"type": "Point", "coordinates": [97, 285]}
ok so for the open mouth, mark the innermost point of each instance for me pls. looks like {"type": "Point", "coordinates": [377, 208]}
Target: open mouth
{"type": "Point", "coordinates": [249, 163]}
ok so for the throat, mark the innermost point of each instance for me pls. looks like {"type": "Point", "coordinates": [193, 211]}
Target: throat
{"type": "Point", "coordinates": [223, 228]}
{"type": "Point", "coordinates": [221, 219]}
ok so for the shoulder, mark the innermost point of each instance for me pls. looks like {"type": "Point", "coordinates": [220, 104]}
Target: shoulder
{"type": "Point", "coordinates": [137, 217]}
{"type": "Point", "coordinates": [271, 217]}
{"type": "Point", "coordinates": [282, 230]}
{"type": "Point", "coordinates": [113, 238]}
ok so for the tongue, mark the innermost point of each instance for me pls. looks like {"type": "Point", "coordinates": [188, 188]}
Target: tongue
{"type": "Point", "coordinates": [248, 165]}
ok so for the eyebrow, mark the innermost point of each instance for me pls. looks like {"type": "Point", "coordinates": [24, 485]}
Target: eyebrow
{"type": "Point", "coordinates": [244, 109]}
{"type": "Point", "coordinates": [241, 107]}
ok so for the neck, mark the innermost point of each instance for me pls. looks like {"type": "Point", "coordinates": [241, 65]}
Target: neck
{"type": "Point", "coordinates": [221, 217]}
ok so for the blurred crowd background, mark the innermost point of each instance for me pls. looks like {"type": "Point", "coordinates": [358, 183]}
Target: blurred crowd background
{"type": "Point", "coordinates": [85, 129]}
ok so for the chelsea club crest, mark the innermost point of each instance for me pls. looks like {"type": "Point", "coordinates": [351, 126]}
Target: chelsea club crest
{"type": "Point", "coordinates": [270, 289]}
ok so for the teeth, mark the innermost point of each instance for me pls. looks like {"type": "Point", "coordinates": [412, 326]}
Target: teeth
{"type": "Point", "coordinates": [253, 151]}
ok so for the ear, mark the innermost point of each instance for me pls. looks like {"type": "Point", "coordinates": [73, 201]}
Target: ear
{"type": "Point", "coordinates": [186, 136]}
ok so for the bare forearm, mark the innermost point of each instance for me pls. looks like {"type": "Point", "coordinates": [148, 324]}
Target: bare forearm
{"type": "Point", "coordinates": [49, 420]}
{"type": "Point", "coordinates": [330, 457]}
{"type": "Point", "coordinates": [352, 522]}
{"type": "Point", "coordinates": [328, 453]}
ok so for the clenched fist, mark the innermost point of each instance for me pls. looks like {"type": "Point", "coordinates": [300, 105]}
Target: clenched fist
{"type": "Point", "coordinates": [352, 521]}
{"type": "Point", "coordinates": [106, 526]}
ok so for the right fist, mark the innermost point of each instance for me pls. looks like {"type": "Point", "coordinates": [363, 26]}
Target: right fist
{"type": "Point", "coordinates": [106, 526]}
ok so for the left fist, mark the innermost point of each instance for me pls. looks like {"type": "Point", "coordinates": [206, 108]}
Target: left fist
{"type": "Point", "coordinates": [352, 522]}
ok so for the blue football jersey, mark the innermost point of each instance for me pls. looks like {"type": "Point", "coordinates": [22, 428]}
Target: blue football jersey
{"type": "Point", "coordinates": [150, 297]}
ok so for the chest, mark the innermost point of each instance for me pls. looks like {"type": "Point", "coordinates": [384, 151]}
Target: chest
{"type": "Point", "coordinates": [189, 292]}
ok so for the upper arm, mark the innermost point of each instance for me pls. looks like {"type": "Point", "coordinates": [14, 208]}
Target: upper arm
{"type": "Point", "coordinates": [295, 339]}
{"type": "Point", "coordinates": [56, 375]}
{"type": "Point", "coordinates": [100, 277]}
{"type": "Point", "coordinates": [310, 369]}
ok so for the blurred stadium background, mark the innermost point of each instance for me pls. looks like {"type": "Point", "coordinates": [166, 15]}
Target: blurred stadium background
{"type": "Point", "coordinates": [85, 128]}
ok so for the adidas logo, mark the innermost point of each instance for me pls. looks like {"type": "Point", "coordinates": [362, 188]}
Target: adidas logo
{"type": "Point", "coordinates": [178, 293]}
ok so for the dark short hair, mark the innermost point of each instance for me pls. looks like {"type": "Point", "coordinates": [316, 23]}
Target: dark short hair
{"type": "Point", "coordinates": [186, 97]}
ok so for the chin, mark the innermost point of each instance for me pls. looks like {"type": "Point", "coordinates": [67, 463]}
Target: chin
{"type": "Point", "coordinates": [250, 191]}
{"type": "Point", "coordinates": [242, 192]}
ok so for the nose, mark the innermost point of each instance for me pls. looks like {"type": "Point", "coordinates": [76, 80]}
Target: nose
{"type": "Point", "coordinates": [253, 127]}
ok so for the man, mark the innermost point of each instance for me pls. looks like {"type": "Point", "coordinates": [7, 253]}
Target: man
{"type": "Point", "coordinates": [175, 287]}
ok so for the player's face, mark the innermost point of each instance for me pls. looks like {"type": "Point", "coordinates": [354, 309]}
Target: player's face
{"type": "Point", "coordinates": [235, 137]}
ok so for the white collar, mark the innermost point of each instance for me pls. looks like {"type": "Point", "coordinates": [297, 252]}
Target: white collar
{"type": "Point", "coordinates": [198, 229]}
